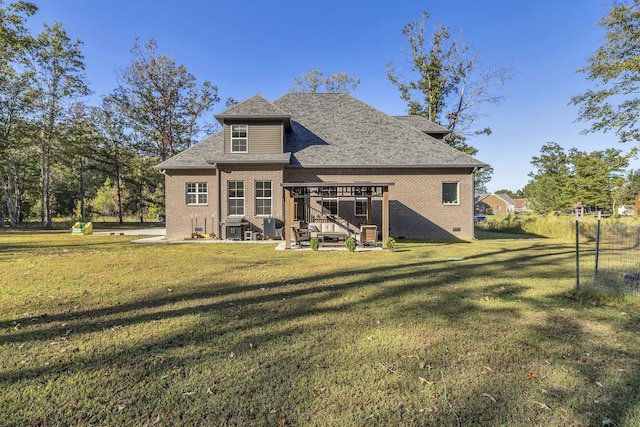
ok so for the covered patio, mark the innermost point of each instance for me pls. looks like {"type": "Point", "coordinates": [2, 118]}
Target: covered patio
{"type": "Point", "coordinates": [357, 190]}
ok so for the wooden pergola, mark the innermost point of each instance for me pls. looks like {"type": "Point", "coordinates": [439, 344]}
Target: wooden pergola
{"type": "Point", "coordinates": [368, 190]}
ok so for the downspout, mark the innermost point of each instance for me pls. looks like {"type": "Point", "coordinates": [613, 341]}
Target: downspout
{"type": "Point", "coordinates": [218, 218]}
{"type": "Point", "coordinates": [473, 201]}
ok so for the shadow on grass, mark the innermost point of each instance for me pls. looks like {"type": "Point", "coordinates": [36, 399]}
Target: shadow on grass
{"type": "Point", "coordinates": [237, 316]}
{"type": "Point", "coordinates": [44, 240]}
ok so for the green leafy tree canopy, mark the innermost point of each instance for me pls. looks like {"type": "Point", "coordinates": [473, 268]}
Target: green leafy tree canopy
{"type": "Point", "coordinates": [613, 103]}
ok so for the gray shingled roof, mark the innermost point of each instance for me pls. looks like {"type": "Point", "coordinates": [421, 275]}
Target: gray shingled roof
{"type": "Point", "coordinates": [329, 130]}
{"type": "Point", "coordinates": [336, 129]}
{"type": "Point", "coordinates": [256, 107]}
{"type": "Point", "coordinates": [423, 124]}
{"type": "Point", "coordinates": [210, 150]}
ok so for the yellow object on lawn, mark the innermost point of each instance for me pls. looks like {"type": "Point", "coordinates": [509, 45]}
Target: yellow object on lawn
{"type": "Point", "coordinates": [82, 228]}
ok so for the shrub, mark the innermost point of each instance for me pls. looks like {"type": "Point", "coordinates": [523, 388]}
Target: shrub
{"type": "Point", "coordinates": [350, 244]}
{"type": "Point", "coordinates": [391, 244]}
{"type": "Point", "coordinates": [314, 243]}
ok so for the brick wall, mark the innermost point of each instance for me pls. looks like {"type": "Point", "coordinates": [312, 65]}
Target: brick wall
{"type": "Point", "coordinates": [415, 200]}
{"type": "Point", "coordinates": [182, 218]}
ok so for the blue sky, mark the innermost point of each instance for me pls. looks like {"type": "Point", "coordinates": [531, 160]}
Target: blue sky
{"type": "Point", "coordinates": [254, 46]}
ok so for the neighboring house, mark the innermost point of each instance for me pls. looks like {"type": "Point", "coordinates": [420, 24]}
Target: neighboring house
{"type": "Point", "coordinates": [626, 210]}
{"type": "Point", "coordinates": [307, 156]}
{"type": "Point", "coordinates": [494, 204]}
{"type": "Point", "coordinates": [522, 206]}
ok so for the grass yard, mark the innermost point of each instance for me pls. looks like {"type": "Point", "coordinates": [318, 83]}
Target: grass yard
{"type": "Point", "coordinates": [100, 331]}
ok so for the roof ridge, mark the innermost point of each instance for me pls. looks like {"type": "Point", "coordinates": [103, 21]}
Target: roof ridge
{"type": "Point", "coordinates": [252, 106]}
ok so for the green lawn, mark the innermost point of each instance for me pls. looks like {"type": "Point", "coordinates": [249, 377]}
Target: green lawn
{"type": "Point", "coordinates": [102, 331]}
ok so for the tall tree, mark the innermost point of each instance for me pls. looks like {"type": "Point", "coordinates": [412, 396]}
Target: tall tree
{"type": "Point", "coordinates": [59, 82]}
{"type": "Point", "coordinates": [596, 177]}
{"type": "Point", "coordinates": [15, 101]}
{"type": "Point", "coordinates": [314, 81]}
{"type": "Point", "coordinates": [561, 179]}
{"type": "Point", "coordinates": [448, 84]}
{"type": "Point", "coordinates": [631, 187]}
{"type": "Point", "coordinates": [613, 104]}
{"type": "Point", "coordinates": [14, 36]}
{"type": "Point", "coordinates": [76, 161]}
{"type": "Point", "coordinates": [547, 190]}
{"type": "Point", "coordinates": [114, 149]}
{"type": "Point", "coordinates": [162, 102]}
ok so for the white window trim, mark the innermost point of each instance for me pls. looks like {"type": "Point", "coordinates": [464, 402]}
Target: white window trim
{"type": "Point", "coordinates": [264, 198]}
{"type": "Point", "coordinates": [355, 203]}
{"type": "Point", "coordinates": [246, 139]}
{"type": "Point", "coordinates": [197, 193]}
{"type": "Point", "coordinates": [229, 198]}
{"type": "Point", "coordinates": [456, 202]}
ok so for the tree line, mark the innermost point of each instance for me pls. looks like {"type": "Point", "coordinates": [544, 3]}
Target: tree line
{"type": "Point", "coordinates": [563, 179]}
{"type": "Point", "coordinates": [598, 179]}
{"type": "Point", "coordinates": [57, 154]}
{"type": "Point", "coordinates": [62, 157]}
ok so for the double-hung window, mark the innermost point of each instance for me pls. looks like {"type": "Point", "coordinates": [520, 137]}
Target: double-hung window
{"type": "Point", "coordinates": [263, 198]}
{"type": "Point", "coordinates": [239, 138]}
{"type": "Point", "coordinates": [330, 201]}
{"type": "Point", "coordinates": [360, 206]}
{"type": "Point", "coordinates": [235, 198]}
{"type": "Point", "coordinates": [196, 193]}
{"type": "Point", "coordinates": [360, 203]}
{"type": "Point", "coordinates": [450, 193]}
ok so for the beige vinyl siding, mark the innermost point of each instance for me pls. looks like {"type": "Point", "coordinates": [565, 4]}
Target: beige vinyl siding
{"type": "Point", "coordinates": [264, 138]}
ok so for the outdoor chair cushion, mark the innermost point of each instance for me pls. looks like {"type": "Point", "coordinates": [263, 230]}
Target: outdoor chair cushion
{"type": "Point", "coordinates": [327, 227]}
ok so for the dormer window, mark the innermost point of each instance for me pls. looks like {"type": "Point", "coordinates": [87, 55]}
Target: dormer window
{"type": "Point", "coordinates": [239, 139]}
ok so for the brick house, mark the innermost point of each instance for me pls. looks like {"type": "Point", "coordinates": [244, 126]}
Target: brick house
{"type": "Point", "coordinates": [494, 204]}
{"type": "Point", "coordinates": [307, 155]}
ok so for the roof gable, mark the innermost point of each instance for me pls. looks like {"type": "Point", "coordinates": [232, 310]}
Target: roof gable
{"type": "Point", "coordinates": [254, 108]}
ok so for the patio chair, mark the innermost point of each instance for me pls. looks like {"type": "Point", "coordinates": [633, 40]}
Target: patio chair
{"type": "Point", "coordinates": [300, 236]}
{"type": "Point", "coordinates": [368, 235]}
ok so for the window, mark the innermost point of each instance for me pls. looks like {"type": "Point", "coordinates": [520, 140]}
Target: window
{"type": "Point", "coordinates": [196, 193]}
{"type": "Point", "coordinates": [235, 198]}
{"type": "Point", "coordinates": [263, 197]}
{"type": "Point", "coordinates": [450, 193]}
{"type": "Point", "coordinates": [360, 206]}
{"type": "Point", "coordinates": [239, 139]}
{"type": "Point", "coordinates": [330, 206]}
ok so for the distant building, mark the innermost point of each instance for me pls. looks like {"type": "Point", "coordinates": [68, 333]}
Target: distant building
{"type": "Point", "coordinates": [494, 204]}
{"type": "Point", "coordinates": [522, 206]}
{"type": "Point", "coordinates": [627, 210]}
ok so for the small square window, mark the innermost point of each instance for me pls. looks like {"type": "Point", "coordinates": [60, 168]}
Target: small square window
{"type": "Point", "coordinates": [197, 193]}
{"type": "Point", "coordinates": [450, 193]}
